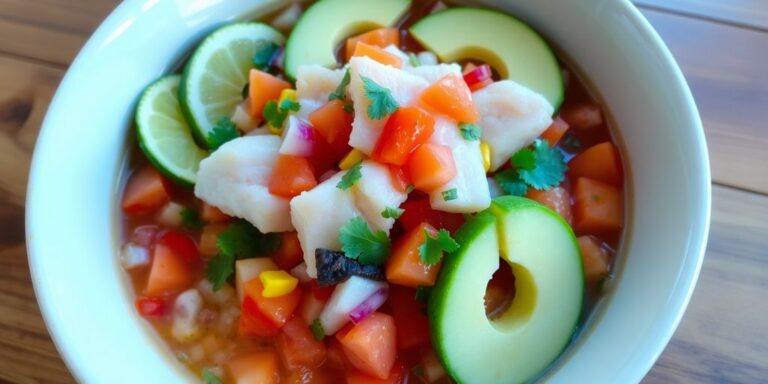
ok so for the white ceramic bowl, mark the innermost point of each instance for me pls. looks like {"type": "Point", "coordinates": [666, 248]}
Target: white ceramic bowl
{"type": "Point", "coordinates": [72, 215]}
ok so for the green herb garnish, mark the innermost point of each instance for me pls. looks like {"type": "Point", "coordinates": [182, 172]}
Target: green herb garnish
{"type": "Point", "coordinates": [223, 132]}
{"type": "Point", "coordinates": [431, 252]}
{"type": "Point", "coordinates": [240, 240]}
{"type": "Point", "coordinates": [382, 102]}
{"type": "Point", "coordinates": [341, 91]}
{"type": "Point", "coordinates": [359, 243]}
{"type": "Point", "coordinates": [265, 52]}
{"type": "Point", "coordinates": [469, 131]}
{"type": "Point", "coordinates": [351, 177]}
{"type": "Point", "coordinates": [392, 213]}
{"type": "Point", "coordinates": [190, 220]}
{"type": "Point", "coordinates": [317, 330]}
{"type": "Point", "coordinates": [451, 194]}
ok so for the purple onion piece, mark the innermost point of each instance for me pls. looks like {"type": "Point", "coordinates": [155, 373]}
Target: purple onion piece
{"type": "Point", "coordinates": [306, 131]}
{"type": "Point", "coordinates": [278, 58]}
{"type": "Point", "coordinates": [368, 306]}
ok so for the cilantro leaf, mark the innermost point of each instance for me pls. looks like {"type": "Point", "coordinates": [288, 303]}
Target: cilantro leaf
{"type": "Point", "coordinates": [422, 293]}
{"type": "Point", "coordinates": [265, 52]}
{"type": "Point", "coordinates": [223, 132]}
{"type": "Point", "coordinates": [290, 105]}
{"type": "Point", "coordinates": [211, 378]}
{"type": "Point", "coordinates": [432, 250]}
{"type": "Point", "coordinates": [360, 243]}
{"type": "Point", "coordinates": [510, 182]}
{"type": "Point", "coordinates": [242, 241]}
{"type": "Point", "coordinates": [219, 269]}
{"type": "Point", "coordinates": [392, 213]}
{"type": "Point", "coordinates": [349, 108]}
{"type": "Point", "coordinates": [275, 115]}
{"type": "Point", "coordinates": [409, 188]}
{"type": "Point", "coordinates": [351, 177]}
{"type": "Point", "coordinates": [524, 159]}
{"type": "Point", "coordinates": [317, 330]}
{"type": "Point", "coordinates": [451, 194]}
{"type": "Point", "coordinates": [382, 102]}
{"type": "Point", "coordinates": [190, 220]}
{"type": "Point", "coordinates": [414, 60]}
{"type": "Point", "coordinates": [470, 132]}
{"type": "Point", "coordinates": [549, 170]}
{"type": "Point", "coordinates": [341, 91]}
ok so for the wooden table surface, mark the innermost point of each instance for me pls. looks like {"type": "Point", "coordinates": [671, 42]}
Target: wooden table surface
{"type": "Point", "coordinates": [722, 47]}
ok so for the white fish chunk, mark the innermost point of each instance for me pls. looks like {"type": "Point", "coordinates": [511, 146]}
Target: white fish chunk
{"type": "Point", "coordinates": [374, 192]}
{"type": "Point", "coordinates": [470, 182]}
{"type": "Point", "coordinates": [433, 73]}
{"type": "Point", "coordinates": [316, 82]}
{"type": "Point", "coordinates": [511, 117]}
{"type": "Point", "coordinates": [234, 179]}
{"type": "Point", "coordinates": [404, 87]}
{"type": "Point", "coordinates": [393, 49]}
{"type": "Point", "coordinates": [318, 214]}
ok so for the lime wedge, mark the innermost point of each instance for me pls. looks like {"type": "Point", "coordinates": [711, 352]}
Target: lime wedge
{"type": "Point", "coordinates": [213, 80]}
{"type": "Point", "coordinates": [164, 134]}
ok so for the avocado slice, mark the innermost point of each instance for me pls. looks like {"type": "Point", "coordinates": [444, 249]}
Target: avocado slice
{"type": "Point", "coordinates": [507, 44]}
{"type": "Point", "coordinates": [322, 27]}
{"type": "Point", "coordinates": [519, 344]}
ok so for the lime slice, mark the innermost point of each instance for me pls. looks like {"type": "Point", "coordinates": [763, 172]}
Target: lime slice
{"type": "Point", "coordinates": [164, 134]}
{"type": "Point", "coordinates": [213, 80]}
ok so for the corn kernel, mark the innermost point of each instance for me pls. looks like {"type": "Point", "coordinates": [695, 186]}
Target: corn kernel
{"type": "Point", "coordinates": [277, 283]}
{"type": "Point", "coordinates": [485, 150]}
{"type": "Point", "coordinates": [353, 157]}
{"type": "Point", "coordinates": [286, 94]}
{"type": "Point", "coordinates": [275, 131]}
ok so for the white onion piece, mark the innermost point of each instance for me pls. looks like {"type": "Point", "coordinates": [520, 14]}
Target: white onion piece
{"type": "Point", "coordinates": [345, 298]}
{"type": "Point", "coordinates": [170, 215]}
{"type": "Point", "coordinates": [298, 139]}
{"type": "Point", "coordinates": [242, 118]}
{"type": "Point", "coordinates": [185, 310]}
{"type": "Point", "coordinates": [300, 272]}
{"type": "Point", "coordinates": [134, 256]}
{"type": "Point", "coordinates": [427, 58]}
{"type": "Point", "coordinates": [369, 305]}
{"type": "Point", "coordinates": [310, 308]}
{"type": "Point", "coordinates": [144, 235]}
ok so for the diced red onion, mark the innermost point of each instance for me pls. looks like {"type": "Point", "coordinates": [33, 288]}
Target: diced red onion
{"type": "Point", "coordinates": [368, 306]}
{"type": "Point", "coordinates": [133, 255]}
{"type": "Point", "coordinates": [298, 139]}
{"type": "Point", "coordinates": [278, 58]}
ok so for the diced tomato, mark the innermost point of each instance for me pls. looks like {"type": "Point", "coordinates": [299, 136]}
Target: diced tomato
{"type": "Point", "coordinates": [399, 179]}
{"type": "Point", "coordinates": [170, 273]}
{"type": "Point", "coordinates": [381, 38]}
{"type": "Point", "coordinates": [336, 357]}
{"type": "Point", "coordinates": [259, 367]}
{"type": "Point", "coordinates": [211, 214]}
{"type": "Point", "coordinates": [599, 162]}
{"type": "Point", "coordinates": [310, 307]}
{"type": "Point", "coordinates": [583, 116]}
{"type": "Point", "coordinates": [451, 97]}
{"type": "Point", "coordinates": [377, 54]}
{"type": "Point", "coordinates": [396, 376]}
{"type": "Point", "coordinates": [289, 254]}
{"type": "Point", "coordinates": [478, 77]}
{"type": "Point", "coordinates": [298, 347]}
{"type": "Point", "coordinates": [371, 345]}
{"type": "Point", "coordinates": [305, 375]}
{"type": "Point", "coordinates": [145, 192]}
{"type": "Point", "coordinates": [431, 166]}
{"type": "Point", "coordinates": [419, 210]}
{"type": "Point", "coordinates": [209, 238]}
{"type": "Point", "coordinates": [404, 266]}
{"type": "Point", "coordinates": [558, 199]}
{"type": "Point", "coordinates": [262, 88]}
{"type": "Point", "coordinates": [321, 293]}
{"type": "Point", "coordinates": [182, 245]}
{"type": "Point", "coordinates": [323, 158]}
{"type": "Point", "coordinates": [334, 124]}
{"type": "Point", "coordinates": [595, 259]}
{"type": "Point", "coordinates": [291, 176]}
{"type": "Point", "coordinates": [276, 309]}
{"type": "Point", "coordinates": [404, 131]}
{"type": "Point", "coordinates": [410, 319]}
{"type": "Point", "coordinates": [152, 306]}
{"type": "Point", "coordinates": [253, 323]}
{"type": "Point", "coordinates": [598, 207]}
{"type": "Point", "coordinates": [555, 132]}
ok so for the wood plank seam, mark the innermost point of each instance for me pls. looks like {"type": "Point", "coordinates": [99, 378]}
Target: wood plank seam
{"type": "Point", "coordinates": [690, 15]}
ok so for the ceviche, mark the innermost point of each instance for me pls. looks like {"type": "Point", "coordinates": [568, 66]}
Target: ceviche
{"type": "Point", "coordinates": [370, 192]}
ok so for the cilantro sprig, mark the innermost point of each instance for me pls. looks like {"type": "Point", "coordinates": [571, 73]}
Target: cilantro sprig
{"type": "Point", "coordinates": [392, 213]}
{"type": "Point", "coordinates": [224, 131]}
{"type": "Point", "coordinates": [351, 177]}
{"type": "Point", "coordinates": [431, 252]}
{"type": "Point", "coordinates": [276, 114]}
{"type": "Point", "coordinates": [190, 220]}
{"type": "Point", "coordinates": [470, 131]}
{"type": "Point", "coordinates": [265, 52]}
{"type": "Point", "coordinates": [382, 102]}
{"type": "Point", "coordinates": [211, 378]}
{"type": "Point", "coordinates": [341, 91]}
{"type": "Point", "coordinates": [240, 240]}
{"type": "Point", "coordinates": [360, 243]}
{"type": "Point", "coordinates": [540, 167]}
{"type": "Point", "coordinates": [317, 330]}
{"type": "Point", "coordinates": [414, 60]}
{"type": "Point", "coordinates": [450, 194]}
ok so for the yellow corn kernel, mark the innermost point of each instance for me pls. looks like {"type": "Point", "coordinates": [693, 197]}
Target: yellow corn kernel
{"type": "Point", "coordinates": [277, 283]}
{"type": "Point", "coordinates": [353, 157]}
{"type": "Point", "coordinates": [275, 131]}
{"type": "Point", "coordinates": [286, 94]}
{"type": "Point", "coordinates": [485, 150]}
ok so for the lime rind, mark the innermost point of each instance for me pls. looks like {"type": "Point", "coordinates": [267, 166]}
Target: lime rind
{"type": "Point", "coordinates": [164, 135]}
{"type": "Point", "coordinates": [213, 79]}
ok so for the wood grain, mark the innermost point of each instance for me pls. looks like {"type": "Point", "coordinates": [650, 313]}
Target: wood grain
{"type": "Point", "coordinates": [722, 338]}
{"type": "Point", "coordinates": [726, 69]}
{"type": "Point", "coordinates": [746, 13]}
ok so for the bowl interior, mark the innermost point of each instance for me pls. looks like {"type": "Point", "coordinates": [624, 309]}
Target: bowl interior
{"type": "Point", "coordinates": [72, 213]}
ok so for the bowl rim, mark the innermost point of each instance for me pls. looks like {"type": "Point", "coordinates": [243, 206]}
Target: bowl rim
{"type": "Point", "coordinates": [79, 369]}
